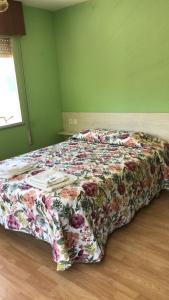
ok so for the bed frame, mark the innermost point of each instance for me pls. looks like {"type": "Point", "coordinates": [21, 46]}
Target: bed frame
{"type": "Point", "coordinates": [154, 123]}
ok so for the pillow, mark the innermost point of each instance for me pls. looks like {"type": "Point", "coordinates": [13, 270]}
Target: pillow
{"type": "Point", "coordinates": [116, 137]}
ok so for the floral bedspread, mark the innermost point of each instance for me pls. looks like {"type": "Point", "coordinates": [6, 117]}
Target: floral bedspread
{"type": "Point", "coordinates": [117, 174]}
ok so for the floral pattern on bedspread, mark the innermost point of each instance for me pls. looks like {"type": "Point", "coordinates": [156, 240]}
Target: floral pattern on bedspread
{"type": "Point", "coordinates": [114, 182]}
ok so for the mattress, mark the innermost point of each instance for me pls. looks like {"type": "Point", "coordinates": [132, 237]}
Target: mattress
{"type": "Point", "coordinates": [117, 174]}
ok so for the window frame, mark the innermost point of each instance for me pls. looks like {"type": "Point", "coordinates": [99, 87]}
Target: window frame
{"type": "Point", "coordinates": [17, 57]}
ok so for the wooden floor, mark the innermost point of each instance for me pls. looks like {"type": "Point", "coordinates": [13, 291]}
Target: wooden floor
{"type": "Point", "coordinates": [136, 264]}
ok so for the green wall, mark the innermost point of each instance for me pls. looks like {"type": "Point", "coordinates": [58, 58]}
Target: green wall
{"type": "Point", "coordinates": [114, 56]}
{"type": "Point", "coordinates": [40, 68]}
{"type": "Point", "coordinates": [99, 56]}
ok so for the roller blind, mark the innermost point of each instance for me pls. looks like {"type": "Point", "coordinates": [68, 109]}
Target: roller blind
{"type": "Point", "coordinates": [12, 20]}
{"type": "Point", "coordinates": [5, 47]}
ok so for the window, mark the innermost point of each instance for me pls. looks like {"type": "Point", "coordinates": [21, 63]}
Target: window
{"type": "Point", "coordinates": [10, 111]}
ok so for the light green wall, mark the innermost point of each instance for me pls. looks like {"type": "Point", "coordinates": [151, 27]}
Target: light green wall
{"type": "Point", "coordinates": [39, 61]}
{"type": "Point", "coordinates": [113, 56]}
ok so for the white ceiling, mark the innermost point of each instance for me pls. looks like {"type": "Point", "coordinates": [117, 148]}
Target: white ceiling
{"type": "Point", "coordinates": [51, 4]}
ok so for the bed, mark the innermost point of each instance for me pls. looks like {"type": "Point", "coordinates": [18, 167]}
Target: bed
{"type": "Point", "coordinates": [118, 172]}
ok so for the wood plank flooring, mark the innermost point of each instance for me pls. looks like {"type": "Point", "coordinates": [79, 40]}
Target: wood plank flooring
{"type": "Point", "coordinates": [135, 267]}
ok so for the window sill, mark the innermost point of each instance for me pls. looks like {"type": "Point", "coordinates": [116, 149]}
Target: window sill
{"type": "Point", "coordinates": [12, 125]}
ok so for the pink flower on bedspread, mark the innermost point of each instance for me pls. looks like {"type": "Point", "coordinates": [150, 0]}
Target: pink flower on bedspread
{"type": "Point", "coordinates": [30, 216]}
{"type": "Point", "coordinates": [101, 138]}
{"type": "Point", "coordinates": [81, 155]}
{"type": "Point", "coordinates": [24, 186]}
{"type": "Point", "coordinates": [131, 165]}
{"type": "Point", "coordinates": [29, 198]}
{"type": "Point", "coordinates": [130, 143]}
{"type": "Point", "coordinates": [89, 137]}
{"type": "Point", "coordinates": [91, 189]}
{"type": "Point", "coordinates": [71, 239]}
{"type": "Point", "coordinates": [76, 221]}
{"type": "Point", "coordinates": [115, 167]}
{"type": "Point", "coordinates": [47, 201]}
{"type": "Point", "coordinates": [12, 223]}
{"type": "Point", "coordinates": [18, 177]}
{"type": "Point", "coordinates": [166, 172]}
{"type": "Point", "coordinates": [69, 193]}
{"type": "Point", "coordinates": [55, 251]}
{"type": "Point", "coordinates": [121, 189]}
{"type": "Point", "coordinates": [123, 136]}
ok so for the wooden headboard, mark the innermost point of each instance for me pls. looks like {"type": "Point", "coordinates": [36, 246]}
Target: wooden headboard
{"type": "Point", "coordinates": [155, 123]}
